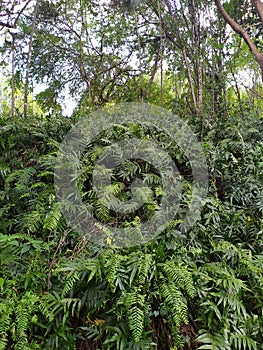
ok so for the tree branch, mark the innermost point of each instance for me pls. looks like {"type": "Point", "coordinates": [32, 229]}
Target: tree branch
{"type": "Point", "coordinates": [7, 25]}
{"type": "Point", "coordinates": [242, 32]}
{"type": "Point", "coordinates": [10, 25]}
{"type": "Point", "coordinates": [237, 28]}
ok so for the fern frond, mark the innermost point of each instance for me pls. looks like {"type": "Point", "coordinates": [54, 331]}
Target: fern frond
{"type": "Point", "coordinates": [24, 310]}
{"type": "Point", "coordinates": [144, 267]}
{"type": "Point", "coordinates": [111, 263]}
{"type": "Point", "coordinates": [241, 341]}
{"type": "Point", "coordinates": [6, 311]}
{"type": "Point", "coordinates": [180, 276]}
{"type": "Point", "coordinates": [174, 302]}
{"type": "Point", "coordinates": [33, 221]}
{"type": "Point", "coordinates": [102, 212]}
{"type": "Point", "coordinates": [135, 303]}
{"type": "Point", "coordinates": [212, 341]}
{"type": "Point", "coordinates": [45, 309]}
{"type": "Point", "coordinates": [52, 219]}
{"type": "Point", "coordinates": [72, 278]}
{"type": "Point", "coordinates": [138, 264]}
{"type": "Point", "coordinates": [72, 305]}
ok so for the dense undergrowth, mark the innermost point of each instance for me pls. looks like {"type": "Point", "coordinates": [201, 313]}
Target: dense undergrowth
{"type": "Point", "coordinates": [199, 290]}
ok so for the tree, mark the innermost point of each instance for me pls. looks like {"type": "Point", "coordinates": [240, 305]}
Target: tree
{"type": "Point", "coordinates": [84, 50]}
{"type": "Point", "coordinates": [242, 32]}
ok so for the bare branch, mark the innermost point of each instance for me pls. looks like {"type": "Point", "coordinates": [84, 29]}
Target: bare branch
{"type": "Point", "coordinates": [12, 22]}
{"type": "Point", "coordinates": [7, 25]}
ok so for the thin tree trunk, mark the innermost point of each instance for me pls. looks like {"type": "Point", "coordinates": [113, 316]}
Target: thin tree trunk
{"type": "Point", "coordinates": [212, 84]}
{"type": "Point", "coordinates": [197, 53]}
{"type": "Point", "coordinates": [84, 35]}
{"type": "Point", "coordinates": [154, 71]}
{"type": "Point", "coordinates": [13, 77]}
{"type": "Point", "coordinates": [29, 59]}
{"type": "Point", "coordinates": [190, 78]}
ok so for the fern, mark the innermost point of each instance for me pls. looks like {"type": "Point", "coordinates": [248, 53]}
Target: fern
{"type": "Point", "coordinates": [72, 306]}
{"type": "Point", "coordinates": [52, 219]}
{"type": "Point", "coordinates": [139, 264]}
{"type": "Point", "coordinates": [241, 341]}
{"type": "Point", "coordinates": [146, 261]}
{"type": "Point", "coordinates": [111, 264]}
{"type": "Point", "coordinates": [174, 303]}
{"type": "Point", "coordinates": [212, 341]}
{"type": "Point", "coordinates": [6, 311]}
{"type": "Point", "coordinates": [24, 311]}
{"type": "Point", "coordinates": [45, 309]}
{"type": "Point", "coordinates": [32, 221]}
{"type": "Point", "coordinates": [135, 303]}
{"type": "Point", "coordinates": [180, 276]}
{"type": "Point", "coordinates": [71, 281]}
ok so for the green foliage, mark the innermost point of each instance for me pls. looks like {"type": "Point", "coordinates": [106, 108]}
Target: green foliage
{"type": "Point", "coordinates": [135, 303]}
{"type": "Point", "coordinates": [201, 289]}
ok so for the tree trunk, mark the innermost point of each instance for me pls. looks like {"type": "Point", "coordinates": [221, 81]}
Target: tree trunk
{"type": "Point", "coordinates": [13, 77]}
{"type": "Point", "coordinates": [242, 32]}
{"type": "Point", "coordinates": [259, 8]}
{"type": "Point", "coordinates": [29, 59]}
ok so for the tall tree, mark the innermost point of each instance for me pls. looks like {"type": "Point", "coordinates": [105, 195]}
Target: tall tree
{"type": "Point", "coordinates": [94, 49]}
{"type": "Point", "coordinates": [242, 32]}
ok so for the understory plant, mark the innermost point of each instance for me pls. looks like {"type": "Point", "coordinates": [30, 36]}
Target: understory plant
{"type": "Point", "coordinates": [200, 289]}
